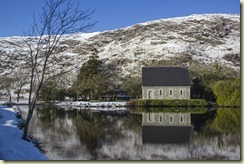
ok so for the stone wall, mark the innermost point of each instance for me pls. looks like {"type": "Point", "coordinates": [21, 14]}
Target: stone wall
{"type": "Point", "coordinates": [166, 92]}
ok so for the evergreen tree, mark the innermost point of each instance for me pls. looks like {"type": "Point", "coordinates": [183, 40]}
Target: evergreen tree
{"type": "Point", "coordinates": [92, 78]}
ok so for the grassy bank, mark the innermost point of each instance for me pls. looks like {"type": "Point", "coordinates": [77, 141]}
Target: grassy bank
{"type": "Point", "coordinates": [169, 103]}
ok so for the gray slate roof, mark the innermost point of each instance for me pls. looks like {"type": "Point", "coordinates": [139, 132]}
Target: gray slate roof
{"type": "Point", "coordinates": [165, 76]}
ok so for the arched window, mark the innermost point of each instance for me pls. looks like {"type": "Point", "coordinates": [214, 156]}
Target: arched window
{"type": "Point", "coordinates": [161, 119]}
{"type": "Point", "coordinates": [181, 119]}
{"type": "Point", "coordinates": [149, 94]}
{"type": "Point", "coordinates": [149, 117]}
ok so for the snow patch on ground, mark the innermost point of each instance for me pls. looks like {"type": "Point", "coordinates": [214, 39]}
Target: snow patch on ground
{"type": "Point", "coordinates": [98, 106]}
{"type": "Point", "coordinates": [13, 147]}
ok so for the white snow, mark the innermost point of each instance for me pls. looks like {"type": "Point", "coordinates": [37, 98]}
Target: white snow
{"type": "Point", "coordinates": [129, 51]}
{"type": "Point", "coordinates": [234, 17]}
{"type": "Point", "coordinates": [98, 106]}
{"type": "Point", "coordinates": [80, 36]}
{"type": "Point", "coordinates": [12, 146]}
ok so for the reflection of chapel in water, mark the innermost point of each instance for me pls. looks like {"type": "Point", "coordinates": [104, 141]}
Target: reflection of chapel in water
{"type": "Point", "coordinates": [166, 127]}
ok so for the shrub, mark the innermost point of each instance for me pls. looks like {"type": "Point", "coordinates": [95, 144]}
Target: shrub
{"type": "Point", "coordinates": [169, 103]}
{"type": "Point", "coordinates": [227, 92]}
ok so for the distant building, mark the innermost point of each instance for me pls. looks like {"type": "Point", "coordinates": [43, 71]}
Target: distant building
{"type": "Point", "coordinates": [115, 95]}
{"type": "Point", "coordinates": [165, 83]}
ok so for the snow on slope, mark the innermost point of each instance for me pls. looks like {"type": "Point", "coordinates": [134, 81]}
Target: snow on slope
{"type": "Point", "coordinates": [207, 39]}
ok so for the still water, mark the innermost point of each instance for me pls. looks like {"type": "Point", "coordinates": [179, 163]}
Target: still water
{"type": "Point", "coordinates": [151, 135]}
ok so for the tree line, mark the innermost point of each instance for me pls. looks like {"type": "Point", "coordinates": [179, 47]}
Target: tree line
{"type": "Point", "coordinates": [93, 80]}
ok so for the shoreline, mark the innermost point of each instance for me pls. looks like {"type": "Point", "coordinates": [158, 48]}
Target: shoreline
{"type": "Point", "coordinates": [13, 147]}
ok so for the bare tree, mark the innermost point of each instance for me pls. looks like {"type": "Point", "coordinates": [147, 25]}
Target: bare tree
{"type": "Point", "coordinates": [6, 61]}
{"type": "Point", "coordinates": [58, 17]}
{"type": "Point", "coordinates": [21, 77]}
{"type": "Point", "coordinates": [7, 84]}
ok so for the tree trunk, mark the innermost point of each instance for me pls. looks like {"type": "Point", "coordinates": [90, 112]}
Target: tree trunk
{"type": "Point", "coordinates": [30, 113]}
{"type": "Point", "coordinates": [18, 95]}
{"type": "Point", "coordinates": [10, 97]}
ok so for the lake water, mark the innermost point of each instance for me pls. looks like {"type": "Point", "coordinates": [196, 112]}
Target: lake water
{"type": "Point", "coordinates": [151, 135]}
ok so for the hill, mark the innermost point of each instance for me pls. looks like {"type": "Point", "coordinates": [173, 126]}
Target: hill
{"type": "Point", "coordinates": [199, 42]}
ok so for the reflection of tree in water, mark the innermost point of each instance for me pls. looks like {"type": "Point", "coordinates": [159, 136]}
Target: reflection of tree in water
{"type": "Point", "coordinates": [72, 135]}
{"type": "Point", "coordinates": [227, 120]}
{"type": "Point", "coordinates": [133, 122]}
{"type": "Point", "coordinates": [225, 127]}
{"type": "Point", "coordinates": [45, 115]}
{"type": "Point", "coordinates": [56, 130]}
{"type": "Point", "coordinates": [202, 122]}
{"type": "Point", "coordinates": [94, 130]}
{"type": "Point", "coordinates": [55, 119]}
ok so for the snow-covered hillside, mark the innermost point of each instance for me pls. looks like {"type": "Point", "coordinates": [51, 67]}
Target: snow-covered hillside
{"type": "Point", "coordinates": [204, 39]}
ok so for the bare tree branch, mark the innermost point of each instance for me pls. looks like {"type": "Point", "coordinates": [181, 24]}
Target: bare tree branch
{"type": "Point", "coordinates": [58, 17]}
